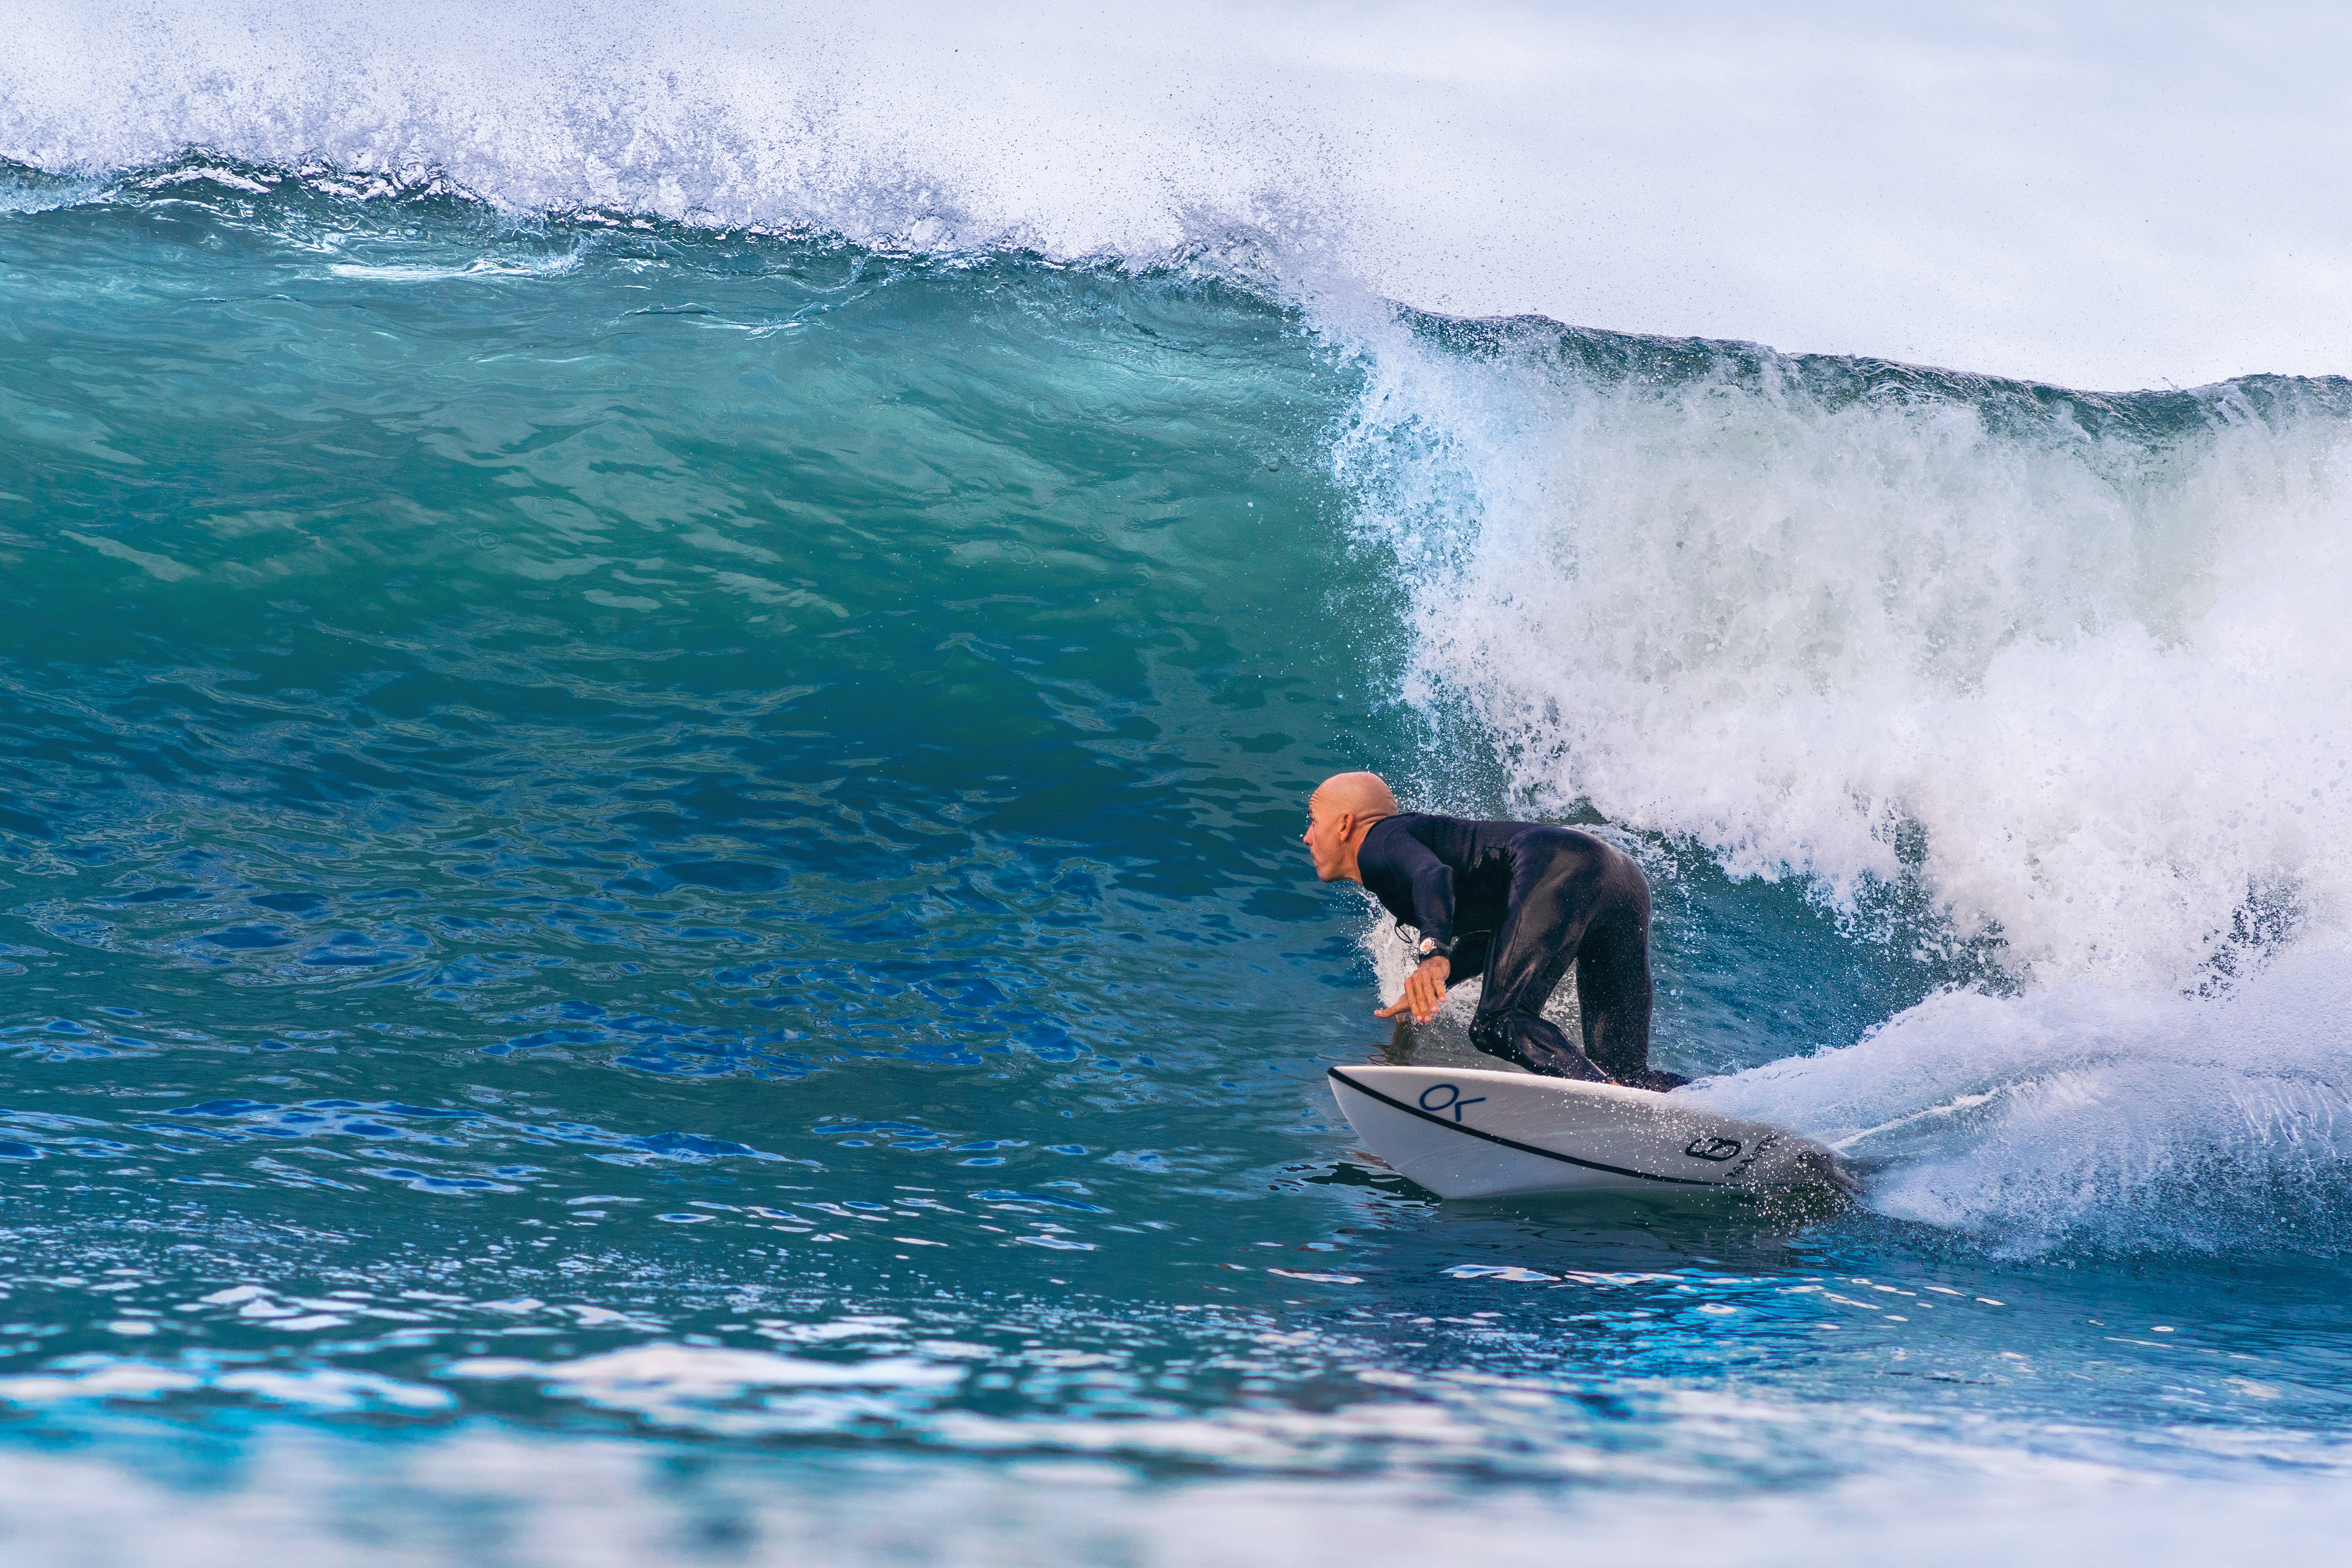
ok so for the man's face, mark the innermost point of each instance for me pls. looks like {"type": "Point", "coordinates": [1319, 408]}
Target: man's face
{"type": "Point", "coordinates": [1324, 839]}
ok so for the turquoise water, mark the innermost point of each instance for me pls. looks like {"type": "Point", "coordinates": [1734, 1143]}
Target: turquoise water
{"type": "Point", "coordinates": [652, 911]}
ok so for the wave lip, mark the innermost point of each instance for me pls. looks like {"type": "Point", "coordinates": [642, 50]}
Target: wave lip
{"type": "Point", "coordinates": [791, 122]}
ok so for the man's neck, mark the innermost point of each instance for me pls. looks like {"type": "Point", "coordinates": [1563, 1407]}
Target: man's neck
{"type": "Point", "coordinates": [1355, 872]}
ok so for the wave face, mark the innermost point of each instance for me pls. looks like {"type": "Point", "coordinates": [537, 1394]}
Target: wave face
{"type": "Point", "coordinates": [664, 844]}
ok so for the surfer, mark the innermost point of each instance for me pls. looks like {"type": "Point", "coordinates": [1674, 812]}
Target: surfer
{"type": "Point", "coordinates": [1515, 901]}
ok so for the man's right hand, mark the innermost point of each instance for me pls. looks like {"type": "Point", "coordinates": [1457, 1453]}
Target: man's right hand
{"type": "Point", "coordinates": [1424, 991]}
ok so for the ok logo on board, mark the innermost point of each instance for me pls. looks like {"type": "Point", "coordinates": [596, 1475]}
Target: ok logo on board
{"type": "Point", "coordinates": [1453, 1100]}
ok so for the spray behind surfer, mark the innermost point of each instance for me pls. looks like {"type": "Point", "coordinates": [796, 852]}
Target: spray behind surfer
{"type": "Point", "coordinates": [1514, 903]}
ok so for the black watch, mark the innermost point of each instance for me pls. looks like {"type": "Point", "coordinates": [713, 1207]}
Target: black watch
{"type": "Point", "coordinates": [1432, 948]}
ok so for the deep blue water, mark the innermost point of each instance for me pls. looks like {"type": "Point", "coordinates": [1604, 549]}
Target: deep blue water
{"type": "Point", "coordinates": [649, 898]}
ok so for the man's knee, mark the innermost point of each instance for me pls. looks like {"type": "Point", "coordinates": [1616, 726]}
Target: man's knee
{"type": "Point", "coordinates": [1490, 1035]}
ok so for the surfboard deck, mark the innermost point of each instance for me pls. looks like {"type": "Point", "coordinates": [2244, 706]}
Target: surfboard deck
{"type": "Point", "coordinates": [1468, 1133]}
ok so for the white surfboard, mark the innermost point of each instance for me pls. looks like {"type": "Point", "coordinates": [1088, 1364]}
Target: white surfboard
{"type": "Point", "coordinates": [1466, 1133]}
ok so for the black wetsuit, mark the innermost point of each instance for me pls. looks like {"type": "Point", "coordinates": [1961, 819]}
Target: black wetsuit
{"type": "Point", "coordinates": [1519, 901]}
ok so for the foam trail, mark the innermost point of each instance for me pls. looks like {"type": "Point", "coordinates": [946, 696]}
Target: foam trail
{"type": "Point", "coordinates": [2089, 1114]}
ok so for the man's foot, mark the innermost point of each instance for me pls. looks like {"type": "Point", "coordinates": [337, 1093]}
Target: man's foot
{"type": "Point", "coordinates": [1649, 1078]}
{"type": "Point", "coordinates": [1534, 1045]}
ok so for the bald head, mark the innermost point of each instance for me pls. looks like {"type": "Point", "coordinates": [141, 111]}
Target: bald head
{"type": "Point", "coordinates": [1338, 814]}
{"type": "Point", "coordinates": [1365, 795]}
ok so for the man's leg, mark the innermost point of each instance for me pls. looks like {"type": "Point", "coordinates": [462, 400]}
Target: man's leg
{"type": "Point", "coordinates": [1612, 990]}
{"type": "Point", "coordinates": [1555, 876]}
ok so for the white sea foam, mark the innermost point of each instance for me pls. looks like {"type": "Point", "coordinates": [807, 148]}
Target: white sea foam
{"type": "Point", "coordinates": [2089, 691]}
{"type": "Point", "coordinates": [488, 267]}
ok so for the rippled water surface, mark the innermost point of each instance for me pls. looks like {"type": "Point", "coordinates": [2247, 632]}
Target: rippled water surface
{"type": "Point", "coordinates": [651, 910]}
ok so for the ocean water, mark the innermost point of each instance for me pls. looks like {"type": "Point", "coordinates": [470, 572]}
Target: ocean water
{"type": "Point", "coordinates": [649, 905]}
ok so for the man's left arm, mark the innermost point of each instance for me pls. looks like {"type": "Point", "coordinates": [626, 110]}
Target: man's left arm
{"type": "Point", "coordinates": [1431, 880]}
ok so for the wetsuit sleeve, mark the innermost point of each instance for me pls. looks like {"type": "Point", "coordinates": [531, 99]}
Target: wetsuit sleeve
{"type": "Point", "coordinates": [1431, 881]}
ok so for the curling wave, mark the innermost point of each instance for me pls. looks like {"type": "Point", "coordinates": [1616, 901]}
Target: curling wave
{"type": "Point", "coordinates": [2045, 685]}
